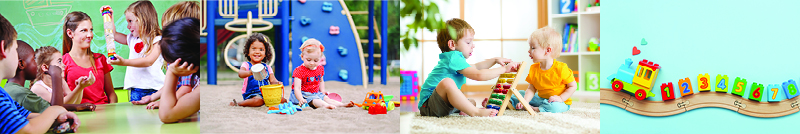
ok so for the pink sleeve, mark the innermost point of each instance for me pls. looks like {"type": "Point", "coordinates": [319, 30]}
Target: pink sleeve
{"type": "Point", "coordinates": [244, 84]}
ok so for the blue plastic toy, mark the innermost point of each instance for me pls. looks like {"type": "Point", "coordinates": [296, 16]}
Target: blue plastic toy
{"type": "Point", "coordinates": [287, 108]}
{"type": "Point", "coordinates": [327, 6]}
{"type": "Point", "coordinates": [305, 20]}
{"type": "Point", "coordinates": [343, 74]}
{"type": "Point", "coordinates": [342, 51]}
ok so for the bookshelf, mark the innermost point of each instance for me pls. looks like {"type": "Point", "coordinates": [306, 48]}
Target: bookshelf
{"type": "Point", "coordinates": [588, 27]}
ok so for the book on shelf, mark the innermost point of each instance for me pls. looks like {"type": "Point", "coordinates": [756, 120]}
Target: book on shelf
{"type": "Point", "coordinates": [569, 38]}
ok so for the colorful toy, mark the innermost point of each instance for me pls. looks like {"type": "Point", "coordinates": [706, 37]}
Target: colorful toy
{"type": "Point", "coordinates": [272, 94]}
{"type": "Point", "coordinates": [377, 109]}
{"type": "Point", "coordinates": [790, 89]}
{"type": "Point", "coordinates": [722, 83]}
{"type": "Point", "coordinates": [108, 21]}
{"type": "Point", "coordinates": [739, 85]}
{"type": "Point", "coordinates": [500, 97]}
{"type": "Point", "coordinates": [640, 82]}
{"type": "Point", "coordinates": [643, 42]}
{"type": "Point", "coordinates": [64, 127]}
{"type": "Point", "coordinates": [334, 96]}
{"type": "Point", "coordinates": [334, 30]}
{"type": "Point", "coordinates": [409, 89]}
{"type": "Point", "coordinates": [667, 92]}
{"type": "Point", "coordinates": [636, 51]}
{"type": "Point", "coordinates": [594, 45]}
{"type": "Point", "coordinates": [685, 87]}
{"type": "Point", "coordinates": [287, 108]}
{"type": "Point", "coordinates": [566, 6]}
{"type": "Point", "coordinates": [327, 6]}
{"type": "Point", "coordinates": [373, 99]}
{"type": "Point", "coordinates": [756, 91]}
{"type": "Point", "coordinates": [703, 82]}
{"type": "Point", "coordinates": [774, 93]}
{"type": "Point", "coordinates": [593, 81]}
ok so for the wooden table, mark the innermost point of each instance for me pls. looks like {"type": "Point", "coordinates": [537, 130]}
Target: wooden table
{"type": "Point", "coordinates": [128, 118]}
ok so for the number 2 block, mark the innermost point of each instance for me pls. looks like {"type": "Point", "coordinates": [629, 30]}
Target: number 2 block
{"type": "Point", "coordinates": [756, 92]}
{"type": "Point", "coordinates": [685, 86]}
{"type": "Point", "coordinates": [775, 94]}
{"type": "Point", "coordinates": [703, 82]}
{"type": "Point", "coordinates": [667, 92]}
{"type": "Point", "coordinates": [739, 85]}
{"type": "Point", "coordinates": [790, 89]}
{"type": "Point", "coordinates": [722, 83]}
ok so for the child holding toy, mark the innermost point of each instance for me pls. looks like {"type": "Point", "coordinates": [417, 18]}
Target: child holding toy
{"type": "Point", "coordinates": [309, 85]}
{"type": "Point", "coordinates": [256, 52]}
{"type": "Point", "coordinates": [181, 46]}
{"type": "Point", "coordinates": [79, 60]}
{"type": "Point", "coordinates": [441, 93]}
{"type": "Point", "coordinates": [143, 75]}
{"type": "Point", "coordinates": [13, 117]}
{"type": "Point", "coordinates": [551, 81]}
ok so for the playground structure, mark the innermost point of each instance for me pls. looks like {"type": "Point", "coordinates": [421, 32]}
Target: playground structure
{"type": "Point", "coordinates": [328, 21]}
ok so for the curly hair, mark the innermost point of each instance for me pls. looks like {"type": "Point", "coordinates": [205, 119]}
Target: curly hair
{"type": "Point", "coordinates": [260, 38]}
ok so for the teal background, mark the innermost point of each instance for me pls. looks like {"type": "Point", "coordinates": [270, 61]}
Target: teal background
{"type": "Point", "coordinates": [39, 23]}
{"type": "Point", "coordinates": [749, 39]}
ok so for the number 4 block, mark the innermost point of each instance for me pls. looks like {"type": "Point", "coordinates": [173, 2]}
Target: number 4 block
{"type": "Point", "coordinates": [756, 91]}
{"type": "Point", "coordinates": [722, 83]}
{"type": "Point", "coordinates": [739, 85]}
{"type": "Point", "coordinates": [790, 89]}
{"type": "Point", "coordinates": [703, 82]}
{"type": "Point", "coordinates": [775, 94]}
{"type": "Point", "coordinates": [685, 87]}
{"type": "Point", "coordinates": [667, 92]}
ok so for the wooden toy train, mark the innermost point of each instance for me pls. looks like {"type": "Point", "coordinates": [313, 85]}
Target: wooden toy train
{"type": "Point", "coordinates": [638, 82]}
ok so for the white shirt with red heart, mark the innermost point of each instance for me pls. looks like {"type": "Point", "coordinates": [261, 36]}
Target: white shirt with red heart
{"type": "Point", "coordinates": [151, 77]}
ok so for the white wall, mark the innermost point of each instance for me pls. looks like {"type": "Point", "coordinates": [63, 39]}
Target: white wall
{"type": "Point", "coordinates": [507, 19]}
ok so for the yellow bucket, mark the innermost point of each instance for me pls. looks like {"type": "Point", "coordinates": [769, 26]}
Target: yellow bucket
{"type": "Point", "coordinates": [272, 94]}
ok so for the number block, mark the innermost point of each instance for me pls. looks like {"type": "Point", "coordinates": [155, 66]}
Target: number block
{"type": "Point", "coordinates": [739, 85]}
{"type": "Point", "coordinates": [685, 86]}
{"type": "Point", "coordinates": [667, 92]}
{"type": "Point", "coordinates": [774, 93]}
{"type": "Point", "coordinates": [756, 92]}
{"type": "Point", "coordinates": [703, 82]}
{"type": "Point", "coordinates": [722, 83]}
{"type": "Point", "coordinates": [593, 81]}
{"type": "Point", "coordinates": [790, 89]}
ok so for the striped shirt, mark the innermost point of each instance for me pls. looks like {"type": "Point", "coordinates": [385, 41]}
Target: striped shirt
{"type": "Point", "coordinates": [12, 115]}
{"type": "Point", "coordinates": [189, 80]}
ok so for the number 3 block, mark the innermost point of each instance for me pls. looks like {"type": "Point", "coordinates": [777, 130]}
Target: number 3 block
{"type": "Point", "coordinates": [703, 82]}
{"type": "Point", "coordinates": [685, 86]}
{"type": "Point", "coordinates": [756, 92]}
{"type": "Point", "coordinates": [790, 89]}
{"type": "Point", "coordinates": [667, 92]}
{"type": "Point", "coordinates": [722, 83]}
{"type": "Point", "coordinates": [739, 85]}
{"type": "Point", "coordinates": [775, 94]}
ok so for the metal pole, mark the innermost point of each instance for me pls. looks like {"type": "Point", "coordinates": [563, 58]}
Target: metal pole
{"type": "Point", "coordinates": [384, 40]}
{"type": "Point", "coordinates": [211, 44]}
{"type": "Point", "coordinates": [371, 44]}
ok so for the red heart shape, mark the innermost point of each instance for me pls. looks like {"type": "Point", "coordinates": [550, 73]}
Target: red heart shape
{"type": "Point", "coordinates": [636, 51]}
{"type": "Point", "coordinates": [138, 47]}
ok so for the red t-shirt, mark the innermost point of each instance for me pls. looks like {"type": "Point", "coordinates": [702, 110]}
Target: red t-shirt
{"type": "Point", "coordinates": [309, 78]}
{"type": "Point", "coordinates": [93, 94]}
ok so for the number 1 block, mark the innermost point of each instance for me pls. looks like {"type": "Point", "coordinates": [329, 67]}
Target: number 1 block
{"type": "Point", "coordinates": [685, 87]}
{"type": "Point", "coordinates": [703, 82]}
{"type": "Point", "coordinates": [739, 85]}
{"type": "Point", "coordinates": [756, 92]}
{"type": "Point", "coordinates": [774, 93]}
{"type": "Point", "coordinates": [667, 92]}
{"type": "Point", "coordinates": [790, 89]}
{"type": "Point", "coordinates": [722, 83]}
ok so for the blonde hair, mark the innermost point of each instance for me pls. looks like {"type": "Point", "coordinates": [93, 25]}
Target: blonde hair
{"type": "Point", "coordinates": [44, 55]}
{"type": "Point", "coordinates": [460, 29]}
{"type": "Point", "coordinates": [148, 22]}
{"type": "Point", "coordinates": [181, 10]}
{"type": "Point", "coordinates": [547, 37]}
{"type": "Point", "coordinates": [311, 45]}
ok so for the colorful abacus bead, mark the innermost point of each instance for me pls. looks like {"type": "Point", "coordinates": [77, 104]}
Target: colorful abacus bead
{"type": "Point", "coordinates": [505, 91]}
{"type": "Point", "coordinates": [506, 86]}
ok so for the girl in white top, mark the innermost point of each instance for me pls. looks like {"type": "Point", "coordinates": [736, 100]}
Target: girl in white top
{"type": "Point", "coordinates": [143, 75]}
{"type": "Point", "coordinates": [46, 56]}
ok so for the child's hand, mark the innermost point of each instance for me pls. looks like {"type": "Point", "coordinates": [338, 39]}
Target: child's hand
{"type": "Point", "coordinates": [69, 115]}
{"type": "Point", "coordinates": [555, 98]}
{"type": "Point", "coordinates": [302, 101]}
{"type": "Point", "coordinates": [502, 61]}
{"type": "Point", "coordinates": [118, 61]}
{"type": "Point", "coordinates": [153, 105]}
{"type": "Point", "coordinates": [521, 105]}
{"type": "Point", "coordinates": [184, 69]}
{"type": "Point", "coordinates": [144, 100]}
{"type": "Point", "coordinates": [512, 67]}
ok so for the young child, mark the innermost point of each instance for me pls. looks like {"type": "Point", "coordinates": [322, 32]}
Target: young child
{"type": "Point", "coordinates": [309, 85]}
{"type": "Point", "coordinates": [46, 56]}
{"type": "Point", "coordinates": [256, 52]}
{"type": "Point", "coordinates": [551, 81]}
{"type": "Point", "coordinates": [143, 74]}
{"type": "Point", "coordinates": [181, 45]}
{"type": "Point", "coordinates": [15, 118]}
{"type": "Point", "coordinates": [441, 93]}
{"type": "Point", "coordinates": [79, 60]}
{"type": "Point", "coordinates": [180, 10]}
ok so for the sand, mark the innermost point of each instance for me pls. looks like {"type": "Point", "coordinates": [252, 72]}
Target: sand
{"type": "Point", "coordinates": [217, 117]}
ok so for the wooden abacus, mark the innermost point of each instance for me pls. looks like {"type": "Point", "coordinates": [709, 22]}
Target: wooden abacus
{"type": "Point", "coordinates": [502, 88]}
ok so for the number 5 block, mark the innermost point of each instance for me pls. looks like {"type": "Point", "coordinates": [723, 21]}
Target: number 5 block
{"type": "Point", "coordinates": [790, 89]}
{"type": "Point", "coordinates": [667, 92]}
{"type": "Point", "coordinates": [756, 92]}
{"type": "Point", "coordinates": [685, 87]}
{"type": "Point", "coordinates": [775, 94]}
{"type": "Point", "coordinates": [722, 83]}
{"type": "Point", "coordinates": [703, 82]}
{"type": "Point", "coordinates": [739, 85]}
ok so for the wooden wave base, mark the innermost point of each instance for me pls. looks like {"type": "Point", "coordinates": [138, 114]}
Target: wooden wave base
{"type": "Point", "coordinates": [699, 100]}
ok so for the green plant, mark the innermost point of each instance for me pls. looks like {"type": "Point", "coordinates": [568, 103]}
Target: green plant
{"type": "Point", "coordinates": [426, 16]}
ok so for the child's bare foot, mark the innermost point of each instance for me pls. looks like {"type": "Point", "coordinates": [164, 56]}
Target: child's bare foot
{"type": "Point", "coordinates": [234, 103]}
{"type": "Point", "coordinates": [462, 113]}
{"type": "Point", "coordinates": [536, 109]}
{"type": "Point", "coordinates": [351, 104]}
{"type": "Point", "coordinates": [330, 107]}
{"type": "Point", "coordinates": [487, 113]}
{"type": "Point", "coordinates": [485, 100]}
